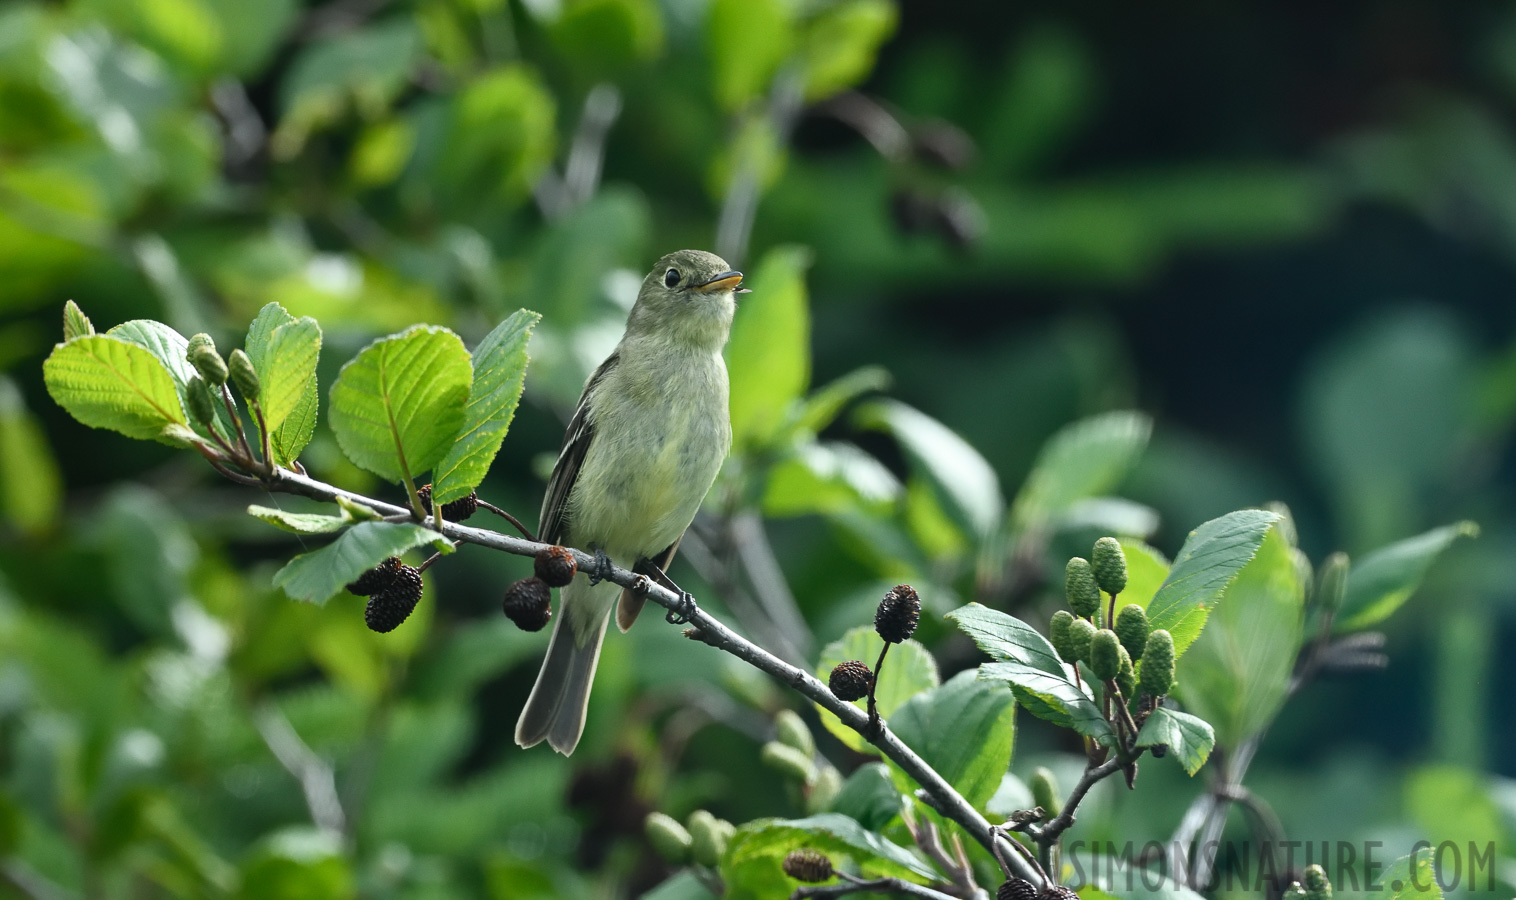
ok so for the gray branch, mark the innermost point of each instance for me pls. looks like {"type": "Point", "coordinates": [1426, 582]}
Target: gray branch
{"type": "Point", "coordinates": [711, 631]}
{"type": "Point", "coordinates": [316, 778]}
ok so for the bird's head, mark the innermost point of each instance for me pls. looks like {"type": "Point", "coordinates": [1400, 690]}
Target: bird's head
{"type": "Point", "coordinates": [689, 297]}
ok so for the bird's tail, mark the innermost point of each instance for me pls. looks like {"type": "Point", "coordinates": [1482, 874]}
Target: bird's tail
{"type": "Point", "coordinates": [555, 710]}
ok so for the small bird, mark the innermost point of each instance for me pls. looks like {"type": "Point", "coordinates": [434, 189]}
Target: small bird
{"type": "Point", "coordinates": [641, 451]}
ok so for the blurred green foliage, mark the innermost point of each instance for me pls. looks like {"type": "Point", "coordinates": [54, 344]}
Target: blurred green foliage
{"type": "Point", "coordinates": [1020, 224]}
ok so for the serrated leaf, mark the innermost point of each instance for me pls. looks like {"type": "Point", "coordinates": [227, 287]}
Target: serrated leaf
{"type": "Point", "coordinates": [1146, 569]}
{"type": "Point", "coordinates": [870, 797]}
{"type": "Point", "coordinates": [1085, 459]}
{"type": "Point", "coordinates": [75, 322]}
{"type": "Point", "coordinates": [1188, 737]}
{"type": "Point", "coordinates": [1412, 877]}
{"type": "Point", "coordinates": [751, 865]}
{"type": "Point", "coordinates": [965, 729]}
{"type": "Point", "coordinates": [965, 479]}
{"type": "Point", "coordinates": [1211, 557]}
{"type": "Point", "coordinates": [1383, 580]}
{"type": "Point", "coordinates": [301, 523]}
{"type": "Point", "coordinates": [107, 383]}
{"type": "Point", "coordinates": [317, 576]}
{"type": "Point", "coordinates": [397, 405]}
{"type": "Point", "coordinates": [499, 366]}
{"type": "Point", "coordinates": [1052, 698]}
{"type": "Point", "coordinates": [769, 354]}
{"type": "Point", "coordinates": [284, 351]}
{"type": "Point", "coordinates": [909, 670]}
{"type": "Point", "coordinates": [168, 346]}
{"type": "Point", "coordinates": [1237, 673]}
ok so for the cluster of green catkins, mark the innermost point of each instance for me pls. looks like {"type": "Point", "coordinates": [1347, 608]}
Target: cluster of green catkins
{"type": "Point", "coordinates": [1114, 651]}
{"type": "Point", "coordinates": [1315, 886]}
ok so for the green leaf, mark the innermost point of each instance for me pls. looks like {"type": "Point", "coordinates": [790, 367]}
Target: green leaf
{"type": "Point", "coordinates": [501, 136]}
{"type": "Point", "coordinates": [1237, 673]}
{"type": "Point", "coordinates": [869, 796]}
{"type": "Point", "coordinates": [748, 39]}
{"type": "Point", "coordinates": [1085, 459]}
{"type": "Point", "coordinates": [1145, 571]}
{"type": "Point", "coordinates": [1032, 667]}
{"type": "Point", "coordinates": [317, 576]}
{"type": "Point", "coordinates": [1211, 557]}
{"type": "Point", "coordinates": [499, 365]}
{"type": "Point", "coordinates": [108, 383]}
{"type": "Point", "coordinates": [908, 671]}
{"type": "Point", "coordinates": [302, 523]}
{"type": "Point", "coordinates": [1384, 579]}
{"type": "Point", "coordinates": [965, 729]}
{"type": "Point", "coordinates": [1189, 738]}
{"type": "Point", "coordinates": [751, 865]}
{"type": "Point", "coordinates": [769, 354]}
{"type": "Point", "coordinates": [965, 479]}
{"type": "Point", "coordinates": [168, 346]}
{"type": "Point", "coordinates": [824, 404]}
{"type": "Point", "coordinates": [1412, 877]}
{"type": "Point", "coordinates": [828, 477]}
{"type": "Point", "coordinates": [397, 405]}
{"type": "Point", "coordinates": [841, 43]}
{"type": "Point", "coordinates": [297, 862]}
{"type": "Point", "coordinates": [30, 485]}
{"type": "Point", "coordinates": [284, 352]}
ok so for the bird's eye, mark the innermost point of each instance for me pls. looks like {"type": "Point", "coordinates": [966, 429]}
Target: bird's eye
{"type": "Point", "coordinates": [671, 278]}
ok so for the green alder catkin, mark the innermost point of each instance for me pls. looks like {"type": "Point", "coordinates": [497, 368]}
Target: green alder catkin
{"type": "Point", "coordinates": [1080, 587]}
{"type": "Point", "coordinates": [1105, 654]}
{"type": "Point", "coordinates": [1132, 628]}
{"type": "Point", "coordinates": [1158, 663]}
{"type": "Point", "coordinates": [1109, 562]}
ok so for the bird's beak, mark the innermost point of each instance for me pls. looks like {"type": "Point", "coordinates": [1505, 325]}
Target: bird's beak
{"type": "Point", "coordinates": [725, 281]}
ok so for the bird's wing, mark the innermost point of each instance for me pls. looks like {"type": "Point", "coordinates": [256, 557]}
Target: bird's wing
{"type": "Point", "coordinates": [576, 443]}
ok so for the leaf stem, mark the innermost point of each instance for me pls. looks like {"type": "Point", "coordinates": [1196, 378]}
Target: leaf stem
{"type": "Point", "coordinates": [525, 532]}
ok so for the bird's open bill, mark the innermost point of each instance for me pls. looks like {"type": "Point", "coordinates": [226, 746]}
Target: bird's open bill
{"type": "Point", "coordinates": [724, 281]}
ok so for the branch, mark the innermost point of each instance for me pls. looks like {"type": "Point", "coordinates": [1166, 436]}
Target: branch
{"type": "Point", "coordinates": [1060, 823]}
{"type": "Point", "coordinates": [713, 632]}
{"type": "Point", "coordinates": [316, 779]}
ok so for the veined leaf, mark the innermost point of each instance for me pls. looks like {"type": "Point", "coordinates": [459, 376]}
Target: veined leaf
{"type": "Point", "coordinates": [769, 354]}
{"type": "Point", "coordinates": [168, 346]}
{"type": "Point", "coordinates": [284, 351]}
{"type": "Point", "coordinates": [1189, 737]}
{"type": "Point", "coordinates": [317, 576]}
{"type": "Point", "coordinates": [499, 365]}
{"type": "Point", "coordinates": [1384, 579]}
{"type": "Point", "coordinates": [1412, 877]}
{"type": "Point", "coordinates": [1031, 666]}
{"type": "Point", "coordinates": [109, 383]}
{"type": "Point", "coordinates": [828, 476]}
{"type": "Point", "coordinates": [965, 479]}
{"type": "Point", "coordinates": [965, 729]}
{"type": "Point", "coordinates": [751, 866]}
{"type": "Point", "coordinates": [1211, 557]}
{"type": "Point", "coordinates": [398, 404]}
{"type": "Point", "coordinates": [908, 671]}
{"type": "Point", "coordinates": [302, 523]}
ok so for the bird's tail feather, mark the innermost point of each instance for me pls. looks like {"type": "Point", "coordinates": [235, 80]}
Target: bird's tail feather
{"type": "Point", "coordinates": [556, 708]}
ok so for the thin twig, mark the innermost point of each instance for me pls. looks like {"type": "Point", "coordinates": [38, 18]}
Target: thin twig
{"type": "Point", "coordinates": [873, 886]}
{"type": "Point", "coordinates": [525, 531]}
{"type": "Point", "coordinates": [948, 800]}
{"type": "Point", "coordinates": [1047, 834]}
{"type": "Point", "coordinates": [231, 409]}
{"type": "Point", "coordinates": [317, 781]}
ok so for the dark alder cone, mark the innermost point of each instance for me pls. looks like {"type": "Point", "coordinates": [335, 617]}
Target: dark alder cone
{"type": "Point", "coordinates": [810, 866]}
{"type": "Point", "coordinates": [851, 680]}
{"type": "Point", "coordinates": [1057, 892]}
{"type": "Point", "coordinates": [454, 510]}
{"type": "Point", "coordinates": [1016, 889]}
{"type": "Point", "coordinates": [528, 603]}
{"type": "Point", "coordinates": [556, 566]}
{"type": "Point", "coordinates": [389, 607]}
{"type": "Point", "coordinates": [376, 579]}
{"type": "Point", "coordinates": [898, 614]}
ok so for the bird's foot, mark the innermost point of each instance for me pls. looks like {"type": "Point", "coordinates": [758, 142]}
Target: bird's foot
{"type": "Point", "coordinates": [602, 567]}
{"type": "Point", "coordinates": [685, 611]}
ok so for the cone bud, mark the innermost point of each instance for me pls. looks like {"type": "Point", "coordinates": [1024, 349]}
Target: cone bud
{"type": "Point", "coordinates": [1317, 887]}
{"type": "Point", "coordinates": [851, 680]}
{"type": "Point", "coordinates": [202, 408]}
{"type": "Point", "coordinates": [1081, 632]}
{"type": "Point", "coordinates": [708, 837]}
{"type": "Point", "coordinates": [1158, 663]}
{"type": "Point", "coordinates": [1105, 654]}
{"type": "Point", "coordinates": [790, 729]}
{"type": "Point", "coordinates": [1132, 628]}
{"type": "Point", "coordinates": [1058, 634]}
{"type": "Point", "coordinates": [898, 614]}
{"type": "Point", "coordinates": [244, 376]}
{"type": "Point", "coordinates": [788, 761]}
{"type": "Point", "coordinates": [1045, 791]}
{"type": "Point", "coordinates": [668, 837]}
{"type": "Point", "coordinates": [201, 353]}
{"type": "Point", "coordinates": [809, 866]}
{"type": "Point", "coordinates": [1080, 587]}
{"type": "Point", "coordinates": [1109, 562]}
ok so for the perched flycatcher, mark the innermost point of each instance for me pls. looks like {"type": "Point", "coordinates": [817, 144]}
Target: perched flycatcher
{"type": "Point", "coordinates": [642, 449]}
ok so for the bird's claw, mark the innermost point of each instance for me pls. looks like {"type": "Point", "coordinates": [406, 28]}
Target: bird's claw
{"type": "Point", "coordinates": [685, 612]}
{"type": "Point", "coordinates": [602, 567]}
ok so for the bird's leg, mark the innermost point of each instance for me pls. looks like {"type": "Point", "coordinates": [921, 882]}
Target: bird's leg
{"type": "Point", "coordinates": [687, 607]}
{"type": "Point", "coordinates": [602, 566]}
